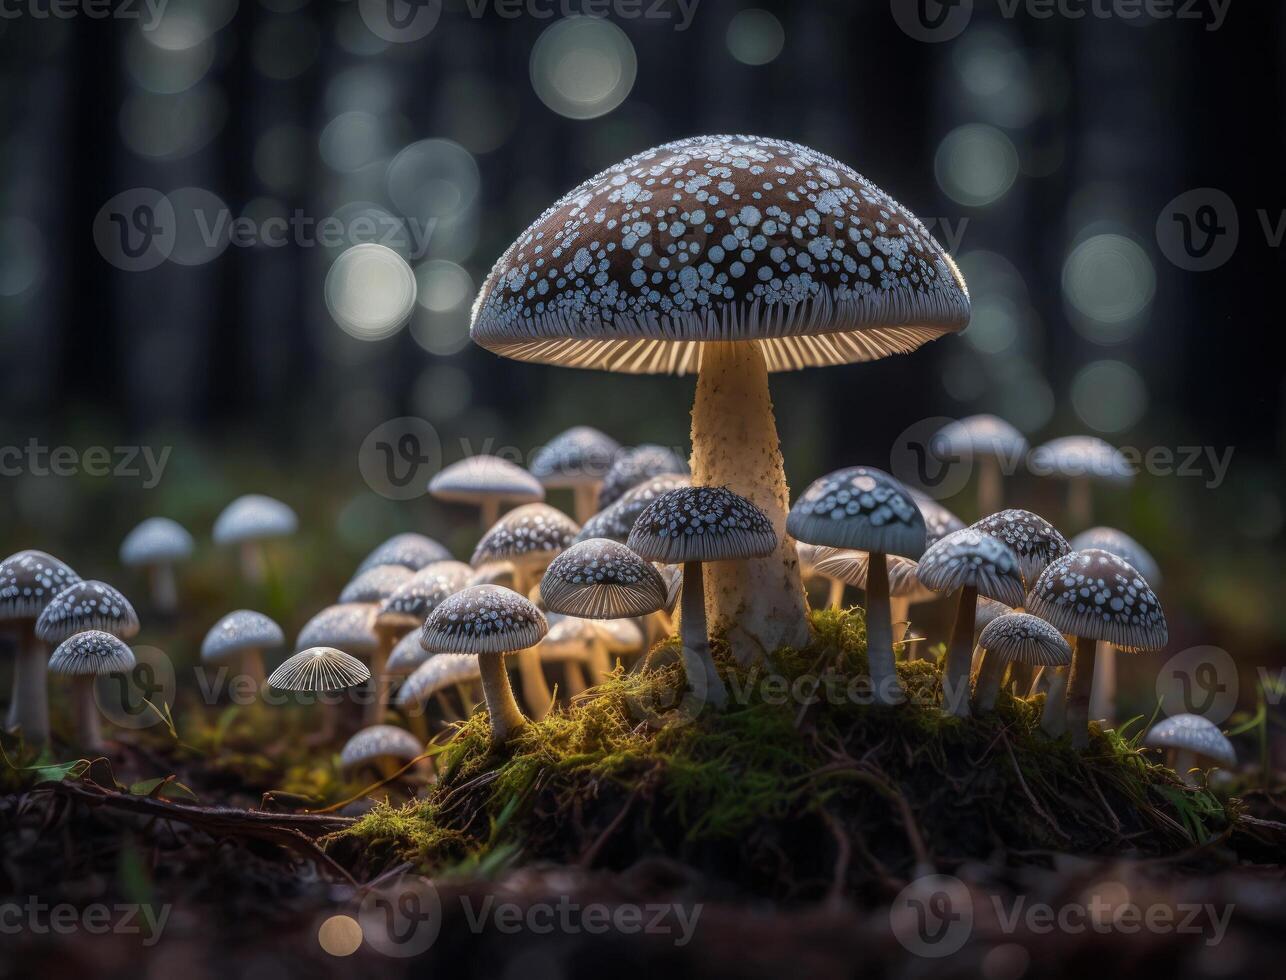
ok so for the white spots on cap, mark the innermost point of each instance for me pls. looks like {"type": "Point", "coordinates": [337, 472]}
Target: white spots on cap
{"type": "Point", "coordinates": [530, 531]}
{"type": "Point", "coordinates": [409, 549]}
{"type": "Point", "coordinates": [484, 619]}
{"type": "Point", "coordinates": [600, 579]}
{"type": "Point", "coordinates": [702, 524]}
{"type": "Point", "coordinates": [238, 631]}
{"type": "Point", "coordinates": [439, 671]}
{"type": "Point", "coordinates": [347, 626]}
{"type": "Point", "coordinates": [1033, 539]}
{"type": "Point", "coordinates": [87, 606]}
{"type": "Point", "coordinates": [422, 592]}
{"type": "Point", "coordinates": [1026, 639]}
{"type": "Point", "coordinates": [859, 507]}
{"type": "Point", "coordinates": [89, 653]}
{"type": "Point", "coordinates": [28, 581]}
{"type": "Point", "coordinates": [616, 521]}
{"type": "Point", "coordinates": [582, 454]}
{"type": "Point", "coordinates": [979, 561]}
{"type": "Point", "coordinates": [375, 584]}
{"type": "Point", "coordinates": [634, 466]}
{"type": "Point", "coordinates": [1097, 595]}
{"type": "Point", "coordinates": [1193, 733]}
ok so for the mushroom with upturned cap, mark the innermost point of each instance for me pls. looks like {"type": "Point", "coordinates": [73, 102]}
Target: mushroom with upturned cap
{"type": "Point", "coordinates": [489, 621]}
{"type": "Point", "coordinates": [1081, 461]}
{"type": "Point", "coordinates": [486, 482]}
{"type": "Point", "coordinates": [384, 748]}
{"type": "Point", "coordinates": [1094, 595]}
{"type": "Point", "coordinates": [1185, 738]}
{"type": "Point", "coordinates": [1015, 638]}
{"type": "Point", "coordinates": [319, 669]}
{"type": "Point", "coordinates": [865, 509]}
{"type": "Point", "coordinates": [693, 526]}
{"type": "Point", "coordinates": [84, 657]}
{"type": "Point", "coordinates": [348, 626]}
{"type": "Point", "coordinates": [410, 550]}
{"type": "Point", "coordinates": [576, 460]}
{"type": "Point", "coordinates": [157, 545]}
{"type": "Point", "coordinates": [791, 259]}
{"type": "Point", "coordinates": [249, 521]}
{"type": "Point", "coordinates": [242, 635]}
{"type": "Point", "coordinates": [991, 442]}
{"type": "Point", "coordinates": [635, 466]}
{"type": "Point", "coordinates": [616, 520]}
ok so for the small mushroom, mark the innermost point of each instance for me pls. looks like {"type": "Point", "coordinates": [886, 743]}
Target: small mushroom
{"type": "Point", "coordinates": [86, 606]}
{"type": "Point", "coordinates": [1187, 737]}
{"type": "Point", "coordinates": [615, 521]}
{"type": "Point", "coordinates": [488, 483]}
{"type": "Point", "coordinates": [384, 748]}
{"type": "Point", "coordinates": [248, 522]}
{"type": "Point", "coordinates": [157, 545]}
{"type": "Point", "coordinates": [375, 584]}
{"type": "Point", "coordinates": [602, 579]}
{"type": "Point", "coordinates": [1015, 638]}
{"type": "Point", "coordinates": [576, 460]}
{"type": "Point", "coordinates": [408, 605]}
{"type": "Point", "coordinates": [635, 466]}
{"type": "Point", "coordinates": [350, 627]}
{"type": "Point", "coordinates": [320, 669]}
{"type": "Point", "coordinates": [1081, 461]}
{"type": "Point", "coordinates": [1033, 539]}
{"type": "Point", "coordinates": [242, 635]}
{"type": "Point", "coordinates": [83, 657]}
{"type": "Point", "coordinates": [435, 673]}
{"type": "Point", "coordinates": [991, 442]}
{"type": "Point", "coordinates": [409, 550]}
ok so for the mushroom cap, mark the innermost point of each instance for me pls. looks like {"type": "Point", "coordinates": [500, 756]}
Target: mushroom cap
{"type": "Point", "coordinates": [85, 606]}
{"type": "Point", "coordinates": [440, 671]}
{"type": "Point", "coordinates": [407, 654]}
{"type": "Point", "coordinates": [419, 595]}
{"type": "Point", "coordinates": [702, 524]}
{"type": "Point", "coordinates": [851, 567]}
{"type": "Point", "coordinates": [379, 741]}
{"type": "Point", "coordinates": [971, 558]}
{"type": "Point", "coordinates": [348, 626]}
{"type": "Point", "coordinates": [619, 635]}
{"type": "Point", "coordinates": [616, 520]}
{"type": "Point", "coordinates": [581, 456]}
{"type": "Point", "coordinates": [240, 630]}
{"type": "Point", "coordinates": [987, 610]}
{"type": "Point", "coordinates": [1034, 540]}
{"type": "Point", "coordinates": [569, 638]}
{"type": "Point", "coordinates": [1025, 639]}
{"type": "Point", "coordinates": [860, 508]}
{"type": "Point", "coordinates": [254, 517]}
{"type": "Point", "coordinates": [720, 238]}
{"type": "Point", "coordinates": [477, 478]}
{"type": "Point", "coordinates": [156, 541]}
{"type": "Point", "coordinates": [484, 619]}
{"type": "Point", "coordinates": [91, 652]}
{"type": "Point", "coordinates": [977, 436]}
{"type": "Point", "coordinates": [29, 580]}
{"type": "Point", "coordinates": [938, 521]}
{"type": "Point", "coordinates": [1193, 733]}
{"type": "Point", "coordinates": [633, 466]}
{"type": "Point", "coordinates": [492, 573]}
{"type": "Point", "coordinates": [528, 535]}
{"type": "Point", "coordinates": [1081, 456]}
{"type": "Point", "coordinates": [376, 583]}
{"type": "Point", "coordinates": [319, 669]}
{"type": "Point", "coordinates": [1123, 546]}
{"type": "Point", "coordinates": [673, 577]}
{"type": "Point", "coordinates": [1097, 595]}
{"type": "Point", "coordinates": [409, 549]}
{"type": "Point", "coordinates": [602, 579]}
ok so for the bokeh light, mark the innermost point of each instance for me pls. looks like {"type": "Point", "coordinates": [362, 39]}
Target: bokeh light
{"type": "Point", "coordinates": [1109, 396]}
{"type": "Point", "coordinates": [169, 127]}
{"type": "Point", "coordinates": [203, 226]}
{"type": "Point", "coordinates": [441, 325]}
{"type": "Point", "coordinates": [432, 179]}
{"type": "Point", "coordinates": [352, 140]}
{"type": "Point", "coordinates": [370, 291]}
{"type": "Point", "coordinates": [583, 67]}
{"type": "Point", "coordinates": [167, 70]}
{"type": "Point", "coordinates": [976, 164]}
{"type": "Point", "coordinates": [1110, 281]}
{"type": "Point", "coordinates": [755, 37]}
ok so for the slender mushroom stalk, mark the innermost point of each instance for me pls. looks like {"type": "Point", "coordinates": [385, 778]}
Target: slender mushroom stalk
{"type": "Point", "coordinates": [885, 686]}
{"type": "Point", "coordinates": [29, 704]}
{"type": "Point", "coordinates": [249, 521]}
{"type": "Point", "coordinates": [486, 482]}
{"type": "Point", "coordinates": [156, 545]}
{"type": "Point", "coordinates": [955, 675]}
{"type": "Point", "coordinates": [1053, 718]}
{"type": "Point", "coordinates": [502, 710]}
{"type": "Point", "coordinates": [1079, 686]}
{"type": "Point", "coordinates": [84, 656]}
{"type": "Point", "coordinates": [88, 727]}
{"type": "Point", "coordinates": [987, 685]}
{"type": "Point", "coordinates": [697, 661]}
{"type": "Point", "coordinates": [1080, 460]}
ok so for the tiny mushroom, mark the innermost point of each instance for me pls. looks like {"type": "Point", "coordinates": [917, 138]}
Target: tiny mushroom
{"type": "Point", "coordinates": [157, 545]}
{"type": "Point", "coordinates": [249, 521]}
{"type": "Point", "coordinates": [408, 549]}
{"type": "Point", "coordinates": [242, 635]}
{"type": "Point", "coordinates": [1187, 737]}
{"type": "Point", "coordinates": [1080, 460]}
{"type": "Point", "coordinates": [433, 676]}
{"type": "Point", "coordinates": [1015, 638]}
{"type": "Point", "coordinates": [864, 509]}
{"type": "Point", "coordinates": [83, 657]}
{"type": "Point", "coordinates": [634, 466]}
{"type": "Point", "coordinates": [1033, 539]}
{"type": "Point", "coordinates": [350, 626]}
{"type": "Point", "coordinates": [488, 483]}
{"type": "Point", "coordinates": [385, 748]}
{"type": "Point", "coordinates": [617, 519]}
{"type": "Point", "coordinates": [576, 460]}
{"type": "Point", "coordinates": [995, 445]}
{"type": "Point", "coordinates": [85, 606]}
{"type": "Point", "coordinates": [602, 579]}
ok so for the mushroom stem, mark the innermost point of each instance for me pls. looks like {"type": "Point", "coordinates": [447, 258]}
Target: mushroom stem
{"type": "Point", "coordinates": [885, 687]}
{"type": "Point", "coordinates": [989, 483]}
{"type": "Point", "coordinates": [1079, 508]}
{"type": "Point", "coordinates": [88, 729]}
{"type": "Point", "coordinates": [1103, 697]}
{"type": "Point", "coordinates": [899, 614]}
{"type": "Point", "coordinates": [585, 500]}
{"type": "Point", "coordinates": [697, 661]}
{"type": "Point", "coordinates": [252, 667]}
{"type": "Point", "coordinates": [373, 713]}
{"type": "Point", "coordinates": [254, 565]}
{"type": "Point", "coordinates": [535, 689]}
{"type": "Point", "coordinates": [502, 709]}
{"type": "Point", "coordinates": [575, 678]}
{"type": "Point", "coordinates": [1053, 720]}
{"type": "Point", "coordinates": [760, 602]}
{"type": "Point", "coordinates": [1020, 680]}
{"type": "Point", "coordinates": [987, 687]}
{"type": "Point", "coordinates": [955, 677]}
{"type": "Point", "coordinates": [1079, 686]}
{"type": "Point", "coordinates": [1185, 760]}
{"type": "Point", "coordinates": [165, 591]}
{"type": "Point", "coordinates": [489, 512]}
{"type": "Point", "coordinates": [600, 664]}
{"type": "Point", "coordinates": [835, 597]}
{"type": "Point", "coordinates": [29, 709]}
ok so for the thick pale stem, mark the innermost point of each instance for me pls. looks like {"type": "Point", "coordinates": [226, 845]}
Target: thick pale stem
{"type": "Point", "coordinates": [252, 667]}
{"type": "Point", "coordinates": [490, 512]}
{"type": "Point", "coordinates": [373, 712]}
{"type": "Point", "coordinates": [1053, 720]}
{"type": "Point", "coordinates": [697, 662]}
{"type": "Point", "coordinates": [1079, 686]}
{"type": "Point", "coordinates": [990, 495]}
{"type": "Point", "coordinates": [955, 678]}
{"type": "Point", "coordinates": [585, 498]}
{"type": "Point", "coordinates": [835, 595]}
{"type": "Point", "coordinates": [165, 590]}
{"type": "Point", "coordinates": [254, 564]}
{"type": "Point", "coordinates": [600, 664]}
{"type": "Point", "coordinates": [900, 616]}
{"type": "Point", "coordinates": [502, 709]}
{"type": "Point", "coordinates": [1103, 698]}
{"type": "Point", "coordinates": [885, 687]}
{"type": "Point", "coordinates": [88, 727]}
{"type": "Point", "coordinates": [574, 677]}
{"type": "Point", "coordinates": [759, 602]}
{"type": "Point", "coordinates": [988, 685]}
{"type": "Point", "coordinates": [29, 709]}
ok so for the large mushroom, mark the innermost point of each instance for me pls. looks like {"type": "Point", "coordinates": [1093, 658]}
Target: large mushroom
{"type": "Point", "coordinates": [576, 460]}
{"type": "Point", "coordinates": [488, 483]}
{"type": "Point", "coordinates": [248, 522]}
{"type": "Point", "coordinates": [992, 443]}
{"type": "Point", "coordinates": [730, 257]}
{"type": "Point", "coordinates": [634, 466]}
{"type": "Point", "coordinates": [157, 545]}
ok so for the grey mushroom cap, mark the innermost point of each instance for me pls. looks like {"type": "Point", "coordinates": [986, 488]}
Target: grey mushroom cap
{"type": "Point", "coordinates": [531, 533]}
{"type": "Point", "coordinates": [1097, 595]}
{"type": "Point", "coordinates": [569, 638]}
{"type": "Point", "coordinates": [1081, 456]}
{"type": "Point", "coordinates": [987, 611]}
{"type": "Point", "coordinates": [851, 567]}
{"type": "Point", "coordinates": [440, 671]}
{"type": "Point", "coordinates": [581, 456]}
{"type": "Point", "coordinates": [379, 741]}
{"type": "Point", "coordinates": [29, 580]}
{"type": "Point", "coordinates": [478, 478]}
{"type": "Point", "coordinates": [85, 606]}
{"type": "Point", "coordinates": [633, 466]}
{"type": "Point", "coordinates": [319, 669]}
{"type": "Point", "coordinates": [1192, 733]}
{"type": "Point", "coordinates": [1034, 540]}
{"type": "Point", "coordinates": [239, 631]}
{"type": "Point", "coordinates": [720, 238]}
{"type": "Point", "coordinates": [375, 584]}
{"type": "Point", "coordinates": [617, 519]}
{"type": "Point", "coordinates": [484, 619]}
{"type": "Point", "coordinates": [91, 653]}
{"type": "Point", "coordinates": [1123, 546]}
{"type": "Point", "coordinates": [938, 521]}
{"type": "Point", "coordinates": [971, 558]}
{"type": "Point", "coordinates": [860, 508]}
{"type": "Point", "coordinates": [977, 436]}
{"type": "Point", "coordinates": [407, 654]}
{"type": "Point", "coordinates": [420, 594]}
{"type": "Point", "coordinates": [602, 579]}
{"type": "Point", "coordinates": [702, 524]}
{"type": "Point", "coordinates": [1025, 639]}
{"type": "Point", "coordinates": [156, 541]}
{"type": "Point", "coordinates": [409, 549]}
{"type": "Point", "coordinates": [348, 626]}
{"type": "Point", "coordinates": [254, 517]}
{"type": "Point", "coordinates": [673, 577]}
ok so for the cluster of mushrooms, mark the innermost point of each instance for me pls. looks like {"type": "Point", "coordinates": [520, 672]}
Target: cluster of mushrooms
{"type": "Point", "coordinates": [727, 257]}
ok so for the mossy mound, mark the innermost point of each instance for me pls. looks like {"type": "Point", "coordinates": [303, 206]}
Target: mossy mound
{"type": "Point", "coordinates": [781, 797]}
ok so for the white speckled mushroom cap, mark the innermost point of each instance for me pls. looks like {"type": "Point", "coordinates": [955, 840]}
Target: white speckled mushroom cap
{"type": "Point", "coordinates": [156, 541]}
{"type": "Point", "coordinates": [419, 595]}
{"type": "Point", "coordinates": [407, 654]}
{"type": "Point", "coordinates": [1076, 456]}
{"type": "Point", "coordinates": [720, 238]}
{"type": "Point", "coordinates": [87, 606]}
{"type": "Point", "coordinates": [634, 466]}
{"type": "Point", "coordinates": [239, 631]}
{"type": "Point", "coordinates": [375, 584]}
{"type": "Point", "coordinates": [938, 521]}
{"type": "Point", "coordinates": [602, 579]}
{"type": "Point", "coordinates": [440, 671]}
{"type": "Point", "coordinates": [851, 567]}
{"type": "Point", "coordinates": [860, 508]}
{"type": "Point", "coordinates": [702, 524]}
{"type": "Point", "coordinates": [974, 559]}
{"type": "Point", "coordinates": [1097, 595]}
{"type": "Point", "coordinates": [477, 478]}
{"type": "Point", "coordinates": [379, 741]}
{"type": "Point", "coordinates": [408, 549]}
{"type": "Point", "coordinates": [484, 619]}
{"type": "Point", "coordinates": [254, 517]}
{"type": "Point", "coordinates": [319, 669]}
{"type": "Point", "coordinates": [1123, 546]}
{"type": "Point", "coordinates": [1194, 734]}
{"type": "Point", "coordinates": [1034, 540]}
{"type": "Point", "coordinates": [615, 521]}
{"type": "Point", "coordinates": [980, 435]}
{"type": "Point", "coordinates": [581, 456]}
{"type": "Point", "coordinates": [528, 535]}
{"type": "Point", "coordinates": [28, 582]}
{"type": "Point", "coordinates": [348, 626]}
{"type": "Point", "coordinates": [91, 652]}
{"type": "Point", "coordinates": [1025, 639]}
